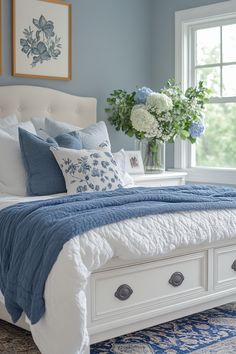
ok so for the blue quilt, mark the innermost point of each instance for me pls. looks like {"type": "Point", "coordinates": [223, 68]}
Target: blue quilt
{"type": "Point", "coordinates": [33, 234]}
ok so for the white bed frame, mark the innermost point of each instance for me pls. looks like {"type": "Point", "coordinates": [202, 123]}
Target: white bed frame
{"type": "Point", "coordinates": [127, 296]}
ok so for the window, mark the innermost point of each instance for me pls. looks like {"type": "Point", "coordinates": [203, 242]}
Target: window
{"type": "Point", "coordinates": [206, 50]}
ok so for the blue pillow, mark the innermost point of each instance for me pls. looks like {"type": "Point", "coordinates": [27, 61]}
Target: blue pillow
{"type": "Point", "coordinates": [68, 140]}
{"type": "Point", "coordinates": [92, 137]}
{"type": "Point", "coordinates": [44, 174]}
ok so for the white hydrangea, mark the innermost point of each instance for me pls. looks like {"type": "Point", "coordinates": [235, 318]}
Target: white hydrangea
{"type": "Point", "coordinates": [159, 102]}
{"type": "Point", "coordinates": [142, 120]}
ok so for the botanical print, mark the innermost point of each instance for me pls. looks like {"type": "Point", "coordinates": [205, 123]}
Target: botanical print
{"type": "Point", "coordinates": [92, 171]}
{"type": "Point", "coordinates": [41, 42]}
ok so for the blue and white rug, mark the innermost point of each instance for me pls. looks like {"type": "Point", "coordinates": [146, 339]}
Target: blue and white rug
{"type": "Point", "coordinates": [209, 332]}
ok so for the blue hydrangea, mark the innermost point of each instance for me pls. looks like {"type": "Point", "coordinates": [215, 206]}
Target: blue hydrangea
{"type": "Point", "coordinates": [197, 129]}
{"type": "Point", "coordinates": [142, 94]}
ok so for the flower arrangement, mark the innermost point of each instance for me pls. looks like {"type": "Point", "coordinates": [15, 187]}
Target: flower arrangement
{"type": "Point", "coordinates": [159, 116]}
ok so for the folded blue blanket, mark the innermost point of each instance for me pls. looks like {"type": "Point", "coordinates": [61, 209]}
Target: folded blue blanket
{"type": "Point", "coordinates": [33, 234]}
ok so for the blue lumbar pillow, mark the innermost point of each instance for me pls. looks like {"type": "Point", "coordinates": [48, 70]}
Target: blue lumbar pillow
{"type": "Point", "coordinates": [92, 137]}
{"type": "Point", "coordinates": [70, 140]}
{"type": "Point", "coordinates": [44, 174]}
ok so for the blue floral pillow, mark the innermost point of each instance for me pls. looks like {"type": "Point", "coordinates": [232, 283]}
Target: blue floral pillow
{"type": "Point", "coordinates": [88, 170]}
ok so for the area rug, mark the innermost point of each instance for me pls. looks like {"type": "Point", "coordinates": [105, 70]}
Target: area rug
{"type": "Point", "coordinates": [209, 332]}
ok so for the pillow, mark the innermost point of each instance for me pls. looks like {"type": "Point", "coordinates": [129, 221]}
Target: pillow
{"type": "Point", "coordinates": [88, 170]}
{"type": "Point", "coordinates": [44, 175]}
{"type": "Point", "coordinates": [92, 137]}
{"type": "Point", "coordinates": [68, 140]}
{"type": "Point", "coordinates": [8, 121]}
{"type": "Point", "coordinates": [12, 172]}
{"type": "Point", "coordinates": [54, 128]}
{"type": "Point", "coordinates": [13, 129]}
{"type": "Point", "coordinates": [120, 158]}
{"type": "Point", "coordinates": [39, 123]}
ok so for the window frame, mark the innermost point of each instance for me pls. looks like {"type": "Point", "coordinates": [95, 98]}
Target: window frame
{"type": "Point", "coordinates": [186, 22]}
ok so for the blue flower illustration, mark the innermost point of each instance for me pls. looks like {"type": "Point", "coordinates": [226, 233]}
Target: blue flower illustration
{"type": "Point", "coordinates": [41, 43]}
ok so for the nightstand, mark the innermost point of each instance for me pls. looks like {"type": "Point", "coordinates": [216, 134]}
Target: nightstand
{"type": "Point", "coordinates": [160, 179]}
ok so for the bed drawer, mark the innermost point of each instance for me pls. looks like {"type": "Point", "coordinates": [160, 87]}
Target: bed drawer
{"type": "Point", "coordinates": [120, 291]}
{"type": "Point", "coordinates": [225, 267]}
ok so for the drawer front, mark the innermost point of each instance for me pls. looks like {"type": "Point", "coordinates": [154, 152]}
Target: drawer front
{"type": "Point", "coordinates": [143, 286]}
{"type": "Point", "coordinates": [225, 267]}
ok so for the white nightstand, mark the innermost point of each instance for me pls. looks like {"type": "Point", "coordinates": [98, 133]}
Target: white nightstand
{"type": "Point", "coordinates": [160, 179]}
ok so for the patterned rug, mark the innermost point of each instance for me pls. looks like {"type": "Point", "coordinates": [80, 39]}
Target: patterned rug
{"type": "Point", "coordinates": [209, 332]}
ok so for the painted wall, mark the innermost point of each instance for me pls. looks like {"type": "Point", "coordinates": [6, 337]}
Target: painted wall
{"type": "Point", "coordinates": [163, 49]}
{"type": "Point", "coordinates": [111, 49]}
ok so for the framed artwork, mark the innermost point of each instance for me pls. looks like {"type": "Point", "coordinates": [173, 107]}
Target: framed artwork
{"type": "Point", "coordinates": [134, 162]}
{"type": "Point", "coordinates": [41, 39]}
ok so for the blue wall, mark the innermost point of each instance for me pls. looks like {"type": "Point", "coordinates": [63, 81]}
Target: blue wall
{"type": "Point", "coordinates": [111, 49]}
{"type": "Point", "coordinates": [116, 44]}
{"type": "Point", "coordinates": [163, 50]}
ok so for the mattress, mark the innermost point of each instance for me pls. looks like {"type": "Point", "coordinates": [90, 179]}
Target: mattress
{"type": "Point", "coordinates": [157, 235]}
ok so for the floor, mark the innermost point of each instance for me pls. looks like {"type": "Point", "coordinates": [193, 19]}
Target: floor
{"type": "Point", "coordinates": [212, 331]}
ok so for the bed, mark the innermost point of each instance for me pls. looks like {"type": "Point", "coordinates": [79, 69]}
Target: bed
{"type": "Point", "coordinates": [123, 280]}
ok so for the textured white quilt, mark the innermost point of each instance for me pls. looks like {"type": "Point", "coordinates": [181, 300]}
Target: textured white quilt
{"type": "Point", "coordinates": [62, 330]}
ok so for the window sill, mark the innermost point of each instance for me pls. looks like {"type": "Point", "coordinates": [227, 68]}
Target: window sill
{"type": "Point", "coordinates": [211, 175]}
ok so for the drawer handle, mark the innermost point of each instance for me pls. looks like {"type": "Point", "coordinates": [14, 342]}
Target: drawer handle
{"type": "Point", "coordinates": [123, 292]}
{"type": "Point", "coordinates": [176, 279]}
{"type": "Point", "coordinates": [234, 266]}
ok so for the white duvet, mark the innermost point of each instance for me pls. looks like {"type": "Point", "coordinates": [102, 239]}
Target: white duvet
{"type": "Point", "coordinates": [62, 330]}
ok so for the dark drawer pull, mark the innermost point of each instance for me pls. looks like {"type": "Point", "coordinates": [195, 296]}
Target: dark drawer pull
{"type": "Point", "coordinates": [176, 279]}
{"type": "Point", "coordinates": [123, 292]}
{"type": "Point", "coordinates": [234, 266]}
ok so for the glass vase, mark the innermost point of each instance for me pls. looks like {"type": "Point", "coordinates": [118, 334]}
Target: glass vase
{"type": "Point", "coordinates": [153, 154]}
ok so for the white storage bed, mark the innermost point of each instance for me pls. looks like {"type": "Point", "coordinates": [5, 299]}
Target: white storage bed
{"type": "Point", "coordinates": [127, 295]}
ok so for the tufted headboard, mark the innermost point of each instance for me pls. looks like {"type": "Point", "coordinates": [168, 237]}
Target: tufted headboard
{"type": "Point", "coordinates": [32, 101]}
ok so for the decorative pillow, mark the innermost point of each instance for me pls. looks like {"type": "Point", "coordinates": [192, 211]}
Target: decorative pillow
{"type": "Point", "coordinates": [88, 170]}
{"type": "Point", "coordinates": [120, 158]}
{"type": "Point", "coordinates": [68, 140]}
{"type": "Point", "coordinates": [13, 129]}
{"type": "Point", "coordinates": [8, 121]}
{"type": "Point", "coordinates": [12, 172]}
{"type": "Point", "coordinates": [44, 175]}
{"type": "Point", "coordinates": [92, 137]}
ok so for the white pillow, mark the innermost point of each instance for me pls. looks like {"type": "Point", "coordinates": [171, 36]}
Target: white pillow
{"type": "Point", "coordinates": [8, 121]}
{"type": "Point", "coordinates": [120, 158]}
{"type": "Point", "coordinates": [88, 170]}
{"type": "Point", "coordinates": [13, 129]}
{"type": "Point", "coordinates": [12, 172]}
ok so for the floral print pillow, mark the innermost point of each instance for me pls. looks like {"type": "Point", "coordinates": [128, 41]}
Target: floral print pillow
{"type": "Point", "coordinates": [88, 170]}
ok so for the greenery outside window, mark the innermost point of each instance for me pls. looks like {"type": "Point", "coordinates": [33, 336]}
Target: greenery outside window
{"type": "Point", "coordinates": [206, 50]}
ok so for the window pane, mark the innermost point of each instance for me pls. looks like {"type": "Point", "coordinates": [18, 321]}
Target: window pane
{"type": "Point", "coordinates": [229, 43]}
{"type": "Point", "coordinates": [217, 147]}
{"type": "Point", "coordinates": [229, 80]}
{"type": "Point", "coordinates": [211, 78]}
{"type": "Point", "coordinates": [208, 46]}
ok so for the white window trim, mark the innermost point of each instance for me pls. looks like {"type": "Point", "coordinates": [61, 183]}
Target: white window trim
{"type": "Point", "coordinates": [184, 21]}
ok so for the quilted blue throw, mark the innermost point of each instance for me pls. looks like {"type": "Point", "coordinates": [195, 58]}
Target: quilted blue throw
{"type": "Point", "coordinates": [33, 234]}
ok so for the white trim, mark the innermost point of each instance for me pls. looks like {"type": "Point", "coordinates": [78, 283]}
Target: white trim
{"type": "Point", "coordinates": [185, 21]}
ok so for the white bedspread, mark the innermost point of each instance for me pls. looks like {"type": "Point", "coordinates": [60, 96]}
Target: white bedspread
{"type": "Point", "coordinates": [62, 330]}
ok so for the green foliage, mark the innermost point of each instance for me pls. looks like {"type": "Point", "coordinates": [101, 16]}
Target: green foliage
{"type": "Point", "coordinates": [187, 108]}
{"type": "Point", "coordinates": [119, 111]}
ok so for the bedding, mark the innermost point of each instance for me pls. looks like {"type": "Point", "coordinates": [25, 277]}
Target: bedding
{"type": "Point", "coordinates": [88, 170]}
{"type": "Point", "coordinates": [12, 172]}
{"type": "Point", "coordinates": [84, 254]}
{"type": "Point", "coordinates": [27, 261]}
{"type": "Point", "coordinates": [8, 121]}
{"type": "Point", "coordinates": [92, 137]}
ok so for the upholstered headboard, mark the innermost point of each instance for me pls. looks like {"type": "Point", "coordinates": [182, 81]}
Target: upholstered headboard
{"type": "Point", "coordinates": [31, 101]}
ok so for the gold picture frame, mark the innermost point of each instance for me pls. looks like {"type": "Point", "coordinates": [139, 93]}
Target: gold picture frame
{"type": "Point", "coordinates": [42, 39]}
